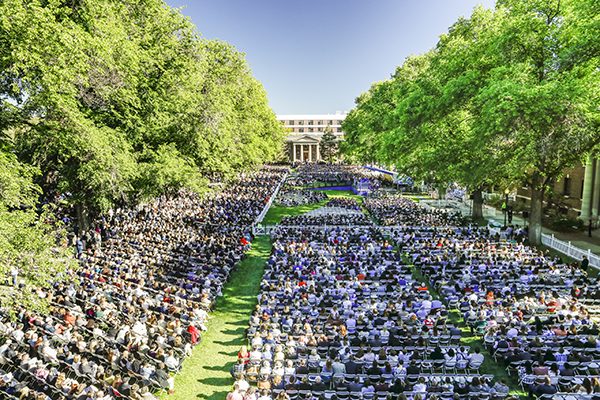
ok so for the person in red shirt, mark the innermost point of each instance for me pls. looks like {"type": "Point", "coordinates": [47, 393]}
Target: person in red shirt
{"type": "Point", "coordinates": [244, 354]}
{"type": "Point", "coordinates": [195, 332]}
{"type": "Point", "coordinates": [70, 318]}
{"type": "Point", "coordinates": [551, 305]}
{"type": "Point", "coordinates": [490, 298]}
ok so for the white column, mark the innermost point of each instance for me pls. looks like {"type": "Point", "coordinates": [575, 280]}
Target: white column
{"type": "Point", "coordinates": [596, 192]}
{"type": "Point", "coordinates": [586, 198]}
{"type": "Point", "coordinates": [310, 157]}
{"type": "Point", "coordinates": [318, 152]}
{"type": "Point", "coordinates": [302, 153]}
{"type": "Point", "coordinates": [293, 152]}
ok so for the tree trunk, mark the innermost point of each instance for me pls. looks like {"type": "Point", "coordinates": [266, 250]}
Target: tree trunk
{"type": "Point", "coordinates": [441, 193]}
{"type": "Point", "coordinates": [82, 217]}
{"type": "Point", "coordinates": [477, 205]}
{"type": "Point", "coordinates": [535, 218]}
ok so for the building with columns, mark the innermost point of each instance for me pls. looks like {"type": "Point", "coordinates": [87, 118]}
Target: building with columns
{"type": "Point", "coordinates": [580, 190]}
{"type": "Point", "coordinates": [590, 192]}
{"type": "Point", "coordinates": [305, 133]}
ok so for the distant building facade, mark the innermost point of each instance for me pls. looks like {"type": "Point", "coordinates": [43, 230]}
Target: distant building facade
{"type": "Point", "coordinates": [579, 189]}
{"type": "Point", "coordinates": [306, 131]}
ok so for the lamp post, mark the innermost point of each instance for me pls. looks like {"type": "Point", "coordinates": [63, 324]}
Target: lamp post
{"type": "Point", "coordinates": [506, 192]}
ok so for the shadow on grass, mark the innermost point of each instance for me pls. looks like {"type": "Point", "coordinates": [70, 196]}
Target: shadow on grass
{"type": "Point", "coordinates": [217, 380]}
{"type": "Point", "coordinates": [214, 396]}
{"type": "Point", "coordinates": [238, 340]}
{"type": "Point", "coordinates": [241, 322]}
{"type": "Point", "coordinates": [215, 368]}
{"type": "Point", "coordinates": [239, 332]}
{"type": "Point", "coordinates": [230, 353]}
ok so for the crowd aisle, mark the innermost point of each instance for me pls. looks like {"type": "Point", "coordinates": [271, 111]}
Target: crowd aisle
{"type": "Point", "coordinates": [122, 325]}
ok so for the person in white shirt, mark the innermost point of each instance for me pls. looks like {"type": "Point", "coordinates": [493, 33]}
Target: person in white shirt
{"type": "Point", "coordinates": [50, 354]}
{"type": "Point", "coordinates": [476, 358]}
{"type": "Point", "coordinates": [512, 332]}
{"type": "Point", "coordinates": [420, 386]}
{"type": "Point", "coordinates": [14, 273]}
{"type": "Point", "coordinates": [170, 361]}
{"type": "Point", "coordinates": [4, 347]}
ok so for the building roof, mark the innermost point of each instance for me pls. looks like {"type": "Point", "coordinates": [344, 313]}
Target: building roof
{"type": "Point", "coordinates": [304, 139]}
{"type": "Point", "coordinates": [311, 116]}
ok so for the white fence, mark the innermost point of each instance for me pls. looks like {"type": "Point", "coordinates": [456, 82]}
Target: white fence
{"type": "Point", "coordinates": [385, 230]}
{"type": "Point", "coordinates": [570, 250]}
{"type": "Point", "coordinates": [257, 228]}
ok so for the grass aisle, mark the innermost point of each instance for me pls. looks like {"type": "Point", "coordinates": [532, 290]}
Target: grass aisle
{"type": "Point", "coordinates": [206, 374]}
{"type": "Point", "coordinates": [276, 212]}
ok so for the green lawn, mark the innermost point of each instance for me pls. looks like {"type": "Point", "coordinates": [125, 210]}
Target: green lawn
{"type": "Point", "coordinates": [275, 213]}
{"type": "Point", "coordinates": [417, 198]}
{"type": "Point", "coordinates": [206, 374]}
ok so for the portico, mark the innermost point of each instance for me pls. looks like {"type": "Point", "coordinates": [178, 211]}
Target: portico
{"type": "Point", "coordinates": [305, 149]}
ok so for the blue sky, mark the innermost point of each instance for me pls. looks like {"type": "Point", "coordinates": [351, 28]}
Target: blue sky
{"type": "Point", "coordinates": [316, 57]}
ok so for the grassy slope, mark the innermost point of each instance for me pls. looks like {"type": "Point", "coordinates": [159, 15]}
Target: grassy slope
{"type": "Point", "coordinates": [206, 374]}
{"type": "Point", "coordinates": [276, 212]}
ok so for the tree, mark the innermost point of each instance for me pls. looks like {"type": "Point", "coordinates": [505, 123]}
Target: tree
{"type": "Point", "coordinates": [365, 124]}
{"type": "Point", "coordinates": [102, 93]}
{"type": "Point", "coordinates": [329, 144]}
{"type": "Point", "coordinates": [507, 96]}
{"type": "Point", "coordinates": [436, 120]}
{"type": "Point", "coordinates": [27, 239]}
{"type": "Point", "coordinates": [544, 110]}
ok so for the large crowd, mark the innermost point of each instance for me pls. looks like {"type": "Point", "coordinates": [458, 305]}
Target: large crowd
{"type": "Point", "coordinates": [308, 174]}
{"type": "Point", "coordinates": [340, 316]}
{"type": "Point", "coordinates": [291, 196]}
{"type": "Point", "coordinates": [403, 211]}
{"type": "Point", "coordinates": [326, 220]}
{"type": "Point", "coordinates": [122, 325]}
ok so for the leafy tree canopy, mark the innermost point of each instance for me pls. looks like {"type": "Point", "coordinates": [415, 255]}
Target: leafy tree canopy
{"type": "Point", "coordinates": [116, 101]}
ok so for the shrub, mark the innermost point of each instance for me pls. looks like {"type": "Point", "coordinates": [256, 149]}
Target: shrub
{"type": "Point", "coordinates": [495, 201]}
{"type": "Point", "coordinates": [564, 223]}
{"type": "Point", "coordinates": [519, 206]}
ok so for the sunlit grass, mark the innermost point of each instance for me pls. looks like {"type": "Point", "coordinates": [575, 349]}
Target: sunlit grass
{"type": "Point", "coordinates": [206, 374]}
{"type": "Point", "coordinates": [276, 213]}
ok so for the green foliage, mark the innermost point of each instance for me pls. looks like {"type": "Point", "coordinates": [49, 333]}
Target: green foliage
{"type": "Point", "coordinates": [519, 206]}
{"type": "Point", "coordinates": [564, 223]}
{"type": "Point", "coordinates": [115, 101]}
{"type": "Point", "coordinates": [495, 201]}
{"type": "Point", "coordinates": [508, 95]}
{"type": "Point", "coordinates": [364, 124]}
{"type": "Point", "coordinates": [27, 240]}
{"type": "Point", "coordinates": [329, 144]}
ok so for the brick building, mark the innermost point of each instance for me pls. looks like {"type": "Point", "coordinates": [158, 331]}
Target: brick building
{"type": "Point", "coordinates": [580, 190]}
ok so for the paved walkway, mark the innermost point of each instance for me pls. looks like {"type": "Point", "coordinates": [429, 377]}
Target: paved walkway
{"type": "Point", "coordinates": [579, 239]}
